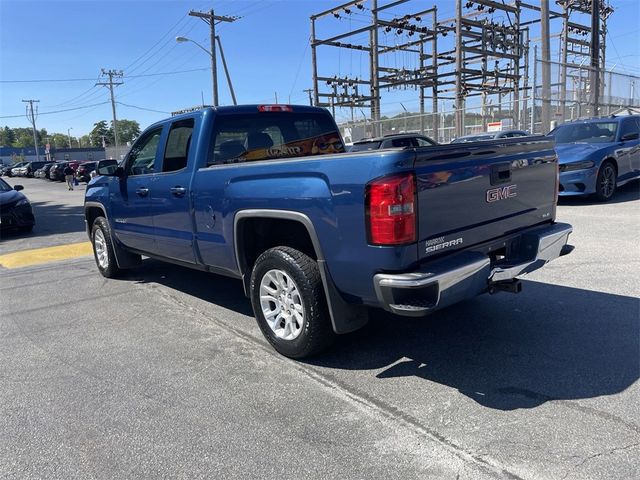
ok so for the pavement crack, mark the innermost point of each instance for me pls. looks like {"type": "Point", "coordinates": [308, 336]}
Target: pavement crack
{"type": "Point", "coordinates": [600, 454]}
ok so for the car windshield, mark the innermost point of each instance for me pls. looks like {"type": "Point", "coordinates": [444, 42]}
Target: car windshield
{"type": "Point", "coordinates": [592, 132]}
{"type": "Point", "coordinates": [362, 146]}
{"type": "Point", "coordinates": [4, 186]}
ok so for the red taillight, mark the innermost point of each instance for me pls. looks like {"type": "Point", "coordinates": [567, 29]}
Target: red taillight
{"type": "Point", "coordinates": [391, 210]}
{"type": "Point", "coordinates": [275, 108]}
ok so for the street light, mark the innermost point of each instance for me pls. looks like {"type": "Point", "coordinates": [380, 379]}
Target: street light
{"type": "Point", "coordinates": [213, 68]}
{"type": "Point", "coordinates": [69, 135]}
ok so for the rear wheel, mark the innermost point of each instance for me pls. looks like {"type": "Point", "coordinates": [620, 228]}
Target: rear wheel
{"type": "Point", "coordinates": [289, 303]}
{"type": "Point", "coordinates": [606, 183]}
{"type": "Point", "coordinates": [103, 248]}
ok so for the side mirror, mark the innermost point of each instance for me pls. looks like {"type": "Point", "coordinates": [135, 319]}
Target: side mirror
{"type": "Point", "coordinates": [629, 136]}
{"type": "Point", "coordinates": [17, 188]}
{"type": "Point", "coordinates": [111, 171]}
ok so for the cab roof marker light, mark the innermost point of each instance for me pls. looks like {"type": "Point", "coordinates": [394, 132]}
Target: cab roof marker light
{"type": "Point", "coordinates": [275, 108]}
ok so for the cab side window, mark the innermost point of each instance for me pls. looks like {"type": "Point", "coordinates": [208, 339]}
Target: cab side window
{"type": "Point", "coordinates": [401, 142]}
{"type": "Point", "coordinates": [178, 143]}
{"type": "Point", "coordinates": [142, 156]}
{"type": "Point", "coordinates": [423, 142]}
{"type": "Point", "coordinates": [629, 126]}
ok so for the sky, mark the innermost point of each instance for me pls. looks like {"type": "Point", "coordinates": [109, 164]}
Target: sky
{"type": "Point", "coordinates": [267, 51]}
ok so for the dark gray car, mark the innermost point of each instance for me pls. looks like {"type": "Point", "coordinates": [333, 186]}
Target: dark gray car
{"type": "Point", "coordinates": [479, 137]}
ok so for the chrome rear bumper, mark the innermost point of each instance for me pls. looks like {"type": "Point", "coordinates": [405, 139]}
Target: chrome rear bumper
{"type": "Point", "coordinates": [467, 274]}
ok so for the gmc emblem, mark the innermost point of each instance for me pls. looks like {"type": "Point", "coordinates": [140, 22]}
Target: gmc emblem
{"type": "Point", "coordinates": [501, 193]}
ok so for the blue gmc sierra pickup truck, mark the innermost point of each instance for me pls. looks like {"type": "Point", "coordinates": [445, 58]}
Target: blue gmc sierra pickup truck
{"type": "Point", "coordinates": [267, 194]}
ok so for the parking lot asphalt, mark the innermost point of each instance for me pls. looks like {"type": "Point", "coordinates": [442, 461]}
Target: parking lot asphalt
{"type": "Point", "coordinates": [164, 373]}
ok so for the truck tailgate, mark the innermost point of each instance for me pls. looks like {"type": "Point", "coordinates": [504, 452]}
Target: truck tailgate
{"type": "Point", "coordinates": [472, 193]}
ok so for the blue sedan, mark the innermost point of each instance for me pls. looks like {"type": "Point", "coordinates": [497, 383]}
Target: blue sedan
{"type": "Point", "coordinates": [598, 155]}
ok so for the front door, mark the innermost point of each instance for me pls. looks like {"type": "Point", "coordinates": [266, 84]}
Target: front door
{"type": "Point", "coordinates": [131, 200]}
{"type": "Point", "coordinates": [170, 196]}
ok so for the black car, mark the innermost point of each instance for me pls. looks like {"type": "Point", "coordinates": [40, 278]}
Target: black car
{"type": "Point", "coordinates": [84, 170]}
{"type": "Point", "coordinates": [33, 166]}
{"type": "Point", "coordinates": [56, 172]}
{"type": "Point", "coordinates": [15, 210]}
{"type": "Point", "coordinates": [392, 141]}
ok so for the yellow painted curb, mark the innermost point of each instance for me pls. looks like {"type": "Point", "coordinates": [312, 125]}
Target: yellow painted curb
{"type": "Point", "coordinates": [38, 256]}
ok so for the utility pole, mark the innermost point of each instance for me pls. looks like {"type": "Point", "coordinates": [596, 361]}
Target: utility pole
{"type": "Point", "coordinates": [110, 84]}
{"type": "Point", "coordinates": [31, 116]}
{"type": "Point", "coordinates": [211, 19]}
{"type": "Point", "coordinates": [226, 71]}
{"type": "Point", "coordinates": [459, 113]}
{"type": "Point", "coordinates": [310, 92]}
{"type": "Point", "coordinates": [69, 135]}
{"type": "Point", "coordinates": [595, 55]}
{"type": "Point", "coordinates": [546, 67]}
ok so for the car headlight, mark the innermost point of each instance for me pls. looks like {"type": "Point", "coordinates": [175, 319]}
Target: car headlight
{"type": "Point", "coordinates": [22, 202]}
{"type": "Point", "coordinates": [583, 165]}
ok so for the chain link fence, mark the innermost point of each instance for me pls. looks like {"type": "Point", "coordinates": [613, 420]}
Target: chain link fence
{"type": "Point", "coordinates": [570, 97]}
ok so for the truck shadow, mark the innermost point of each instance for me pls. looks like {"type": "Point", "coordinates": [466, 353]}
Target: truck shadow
{"type": "Point", "coordinates": [505, 352]}
{"type": "Point", "coordinates": [626, 193]}
{"type": "Point", "coordinates": [223, 291]}
{"type": "Point", "coordinates": [508, 352]}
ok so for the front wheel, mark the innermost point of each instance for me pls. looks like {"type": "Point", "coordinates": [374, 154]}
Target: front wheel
{"type": "Point", "coordinates": [103, 248]}
{"type": "Point", "coordinates": [289, 303]}
{"type": "Point", "coordinates": [606, 182]}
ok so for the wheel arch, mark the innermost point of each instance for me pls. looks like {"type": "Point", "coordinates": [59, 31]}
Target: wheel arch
{"type": "Point", "coordinates": [344, 317]}
{"type": "Point", "coordinates": [611, 160]}
{"type": "Point", "coordinates": [124, 258]}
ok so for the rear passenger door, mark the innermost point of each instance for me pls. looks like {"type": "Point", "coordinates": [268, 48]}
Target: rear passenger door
{"type": "Point", "coordinates": [170, 195]}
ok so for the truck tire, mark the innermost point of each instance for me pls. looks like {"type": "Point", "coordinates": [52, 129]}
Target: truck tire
{"type": "Point", "coordinates": [606, 182]}
{"type": "Point", "coordinates": [103, 248]}
{"type": "Point", "coordinates": [289, 302]}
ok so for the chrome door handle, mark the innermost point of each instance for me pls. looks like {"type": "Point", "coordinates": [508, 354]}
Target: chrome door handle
{"type": "Point", "coordinates": [142, 191]}
{"type": "Point", "coordinates": [178, 191]}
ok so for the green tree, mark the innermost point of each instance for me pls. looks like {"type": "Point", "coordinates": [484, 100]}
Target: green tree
{"type": "Point", "coordinates": [85, 141]}
{"type": "Point", "coordinates": [24, 139]}
{"type": "Point", "coordinates": [60, 140]}
{"type": "Point", "coordinates": [99, 131]}
{"type": "Point", "coordinates": [128, 130]}
{"type": "Point", "coordinates": [7, 137]}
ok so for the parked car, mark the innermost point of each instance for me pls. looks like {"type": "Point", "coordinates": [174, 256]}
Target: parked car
{"type": "Point", "coordinates": [56, 172]}
{"type": "Point", "coordinates": [480, 137]}
{"type": "Point", "coordinates": [598, 155]}
{"type": "Point", "coordinates": [31, 167]}
{"type": "Point", "coordinates": [19, 170]}
{"type": "Point", "coordinates": [84, 169]}
{"type": "Point", "coordinates": [44, 171]}
{"type": "Point", "coordinates": [267, 194]}
{"type": "Point", "coordinates": [15, 209]}
{"type": "Point", "coordinates": [392, 141]}
{"type": "Point", "coordinates": [6, 169]}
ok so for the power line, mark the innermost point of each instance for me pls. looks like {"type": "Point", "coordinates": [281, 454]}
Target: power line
{"type": "Point", "coordinates": [129, 67]}
{"type": "Point", "coordinates": [142, 108]}
{"type": "Point", "coordinates": [58, 111]}
{"type": "Point", "coordinates": [93, 79]}
{"type": "Point", "coordinates": [50, 80]}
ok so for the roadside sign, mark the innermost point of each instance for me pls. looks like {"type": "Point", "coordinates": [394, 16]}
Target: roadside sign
{"type": "Point", "coordinates": [494, 126]}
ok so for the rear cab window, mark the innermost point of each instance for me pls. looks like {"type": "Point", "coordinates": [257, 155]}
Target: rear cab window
{"type": "Point", "coordinates": [263, 136]}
